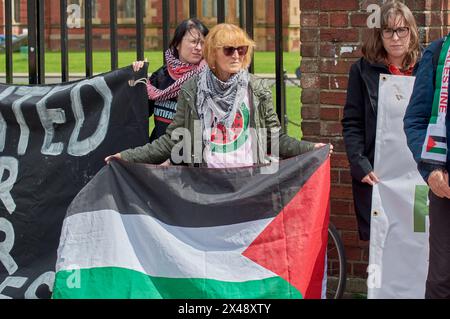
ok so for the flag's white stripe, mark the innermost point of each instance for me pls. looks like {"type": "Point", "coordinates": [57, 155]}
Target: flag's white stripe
{"type": "Point", "coordinates": [139, 242]}
{"type": "Point", "coordinates": [440, 145]}
{"type": "Point", "coordinates": [436, 156]}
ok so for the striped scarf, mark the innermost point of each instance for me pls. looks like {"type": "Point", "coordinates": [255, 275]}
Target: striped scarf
{"type": "Point", "coordinates": [180, 72]}
{"type": "Point", "coordinates": [434, 149]}
{"type": "Point", "coordinates": [218, 101]}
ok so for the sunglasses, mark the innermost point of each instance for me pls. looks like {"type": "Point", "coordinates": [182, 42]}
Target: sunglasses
{"type": "Point", "coordinates": [229, 51]}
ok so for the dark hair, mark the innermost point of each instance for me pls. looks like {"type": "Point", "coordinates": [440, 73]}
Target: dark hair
{"type": "Point", "coordinates": [182, 28]}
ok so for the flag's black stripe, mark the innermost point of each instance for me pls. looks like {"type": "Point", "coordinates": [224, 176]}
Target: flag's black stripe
{"type": "Point", "coordinates": [440, 139]}
{"type": "Point", "coordinates": [193, 197]}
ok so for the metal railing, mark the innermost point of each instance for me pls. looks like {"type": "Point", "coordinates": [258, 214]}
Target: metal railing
{"type": "Point", "coordinates": [36, 45]}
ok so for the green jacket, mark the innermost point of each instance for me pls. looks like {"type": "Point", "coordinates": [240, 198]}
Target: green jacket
{"type": "Point", "coordinates": [263, 119]}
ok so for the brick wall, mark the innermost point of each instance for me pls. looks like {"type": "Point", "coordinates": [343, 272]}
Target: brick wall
{"type": "Point", "coordinates": [331, 36]}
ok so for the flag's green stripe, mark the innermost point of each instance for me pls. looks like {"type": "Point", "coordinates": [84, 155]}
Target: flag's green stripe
{"type": "Point", "coordinates": [113, 282]}
{"type": "Point", "coordinates": [438, 86]}
{"type": "Point", "coordinates": [438, 150]}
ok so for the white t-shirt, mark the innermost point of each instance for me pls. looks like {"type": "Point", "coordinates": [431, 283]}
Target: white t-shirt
{"type": "Point", "coordinates": [231, 147]}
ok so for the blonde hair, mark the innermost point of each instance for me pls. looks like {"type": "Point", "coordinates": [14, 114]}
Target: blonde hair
{"type": "Point", "coordinates": [373, 49]}
{"type": "Point", "coordinates": [223, 35]}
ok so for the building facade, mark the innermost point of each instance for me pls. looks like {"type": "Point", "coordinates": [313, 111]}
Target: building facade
{"type": "Point", "coordinates": [264, 20]}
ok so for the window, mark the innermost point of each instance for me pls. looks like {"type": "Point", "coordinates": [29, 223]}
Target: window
{"type": "Point", "coordinates": [126, 9]}
{"type": "Point", "coordinates": [209, 8]}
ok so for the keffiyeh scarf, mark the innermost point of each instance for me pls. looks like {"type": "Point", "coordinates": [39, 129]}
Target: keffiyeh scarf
{"type": "Point", "coordinates": [218, 101]}
{"type": "Point", "coordinates": [180, 72]}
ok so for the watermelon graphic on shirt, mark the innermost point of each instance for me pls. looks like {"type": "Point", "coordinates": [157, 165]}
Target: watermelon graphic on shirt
{"type": "Point", "coordinates": [225, 141]}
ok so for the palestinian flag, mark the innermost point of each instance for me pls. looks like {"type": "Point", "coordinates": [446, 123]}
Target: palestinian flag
{"type": "Point", "coordinates": [437, 144]}
{"type": "Point", "coordinates": [145, 231]}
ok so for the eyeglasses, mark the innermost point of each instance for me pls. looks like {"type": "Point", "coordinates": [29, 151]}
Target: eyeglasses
{"type": "Point", "coordinates": [229, 51]}
{"type": "Point", "coordinates": [388, 33]}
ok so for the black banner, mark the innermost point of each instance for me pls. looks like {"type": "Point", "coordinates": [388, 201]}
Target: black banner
{"type": "Point", "coordinates": [53, 140]}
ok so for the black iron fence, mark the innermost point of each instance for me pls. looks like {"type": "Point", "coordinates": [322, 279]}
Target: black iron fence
{"type": "Point", "coordinates": [36, 46]}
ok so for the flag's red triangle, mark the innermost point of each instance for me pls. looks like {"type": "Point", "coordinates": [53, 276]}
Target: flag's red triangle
{"type": "Point", "coordinates": [293, 245]}
{"type": "Point", "coordinates": [431, 143]}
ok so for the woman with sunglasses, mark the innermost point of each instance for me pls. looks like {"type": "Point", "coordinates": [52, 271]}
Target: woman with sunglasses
{"type": "Point", "coordinates": [217, 109]}
{"type": "Point", "coordinates": [391, 49]}
{"type": "Point", "coordinates": [184, 59]}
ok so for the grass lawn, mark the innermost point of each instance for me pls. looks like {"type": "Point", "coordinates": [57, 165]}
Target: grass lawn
{"type": "Point", "coordinates": [264, 61]}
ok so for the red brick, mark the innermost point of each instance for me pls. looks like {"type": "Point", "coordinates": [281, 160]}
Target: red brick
{"type": "Point", "coordinates": [333, 263]}
{"type": "Point", "coordinates": [338, 143]}
{"type": "Point", "coordinates": [359, 269]}
{"type": "Point", "coordinates": [353, 253]}
{"type": "Point", "coordinates": [329, 113]}
{"type": "Point", "coordinates": [339, 35]}
{"type": "Point", "coordinates": [310, 80]}
{"type": "Point", "coordinates": [333, 97]}
{"type": "Point", "coordinates": [345, 177]}
{"type": "Point", "coordinates": [328, 50]}
{"type": "Point", "coordinates": [433, 5]}
{"type": "Point", "coordinates": [340, 207]}
{"type": "Point", "coordinates": [309, 49]}
{"type": "Point", "coordinates": [350, 238]}
{"type": "Point", "coordinates": [434, 34]}
{"type": "Point", "coordinates": [339, 5]}
{"type": "Point", "coordinates": [309, 5]}
{"type": "Point", "coordinates": [309, 20]}
{"type": "Point", "coordinates": [419, 5]}
{"type": "Point", "coordinates": [410, 4]}
{"type": "Point", "coordinates": [365, 33]}
{"type": "Point", "coordinates": [324, 20]}
{"type": "Point", "coordinates": [325, 82]}
{"type": "Point", "coordinates": [366, 245]}
{"type": "Point", "coordinates": [365, 249]}
{"type": "Point", "coordinates": [311, 127]}
{"type": "Point", "coordinates": [310, 112]}
{"type": "Point", "coordinates": [339, 20]}
{"type": "Point", "coordinates": [341, 192]}
{"type": "Point", "coordinates": [335, 66]}
{"type": "Point", "coordinates": [334, 176]}
{"type": "Point", "coordinates": [420, 18]}
{"type": "Point", "coordinates": [332, 255]}
{"type": "Point", "coordinates": [358, 19]}
{"type": "Point", "coordinates": [309, 66]}
{"type": "Point", "coordinates": [339, 160]}
{"type": "Point", "coordinates": [311, 35]}
{"type": "Point", "coordinates": [338, 82]}
{"type": "Point", "coordinates": [330, 129]}
{"type": "Point", "coordinates": [310, 96]}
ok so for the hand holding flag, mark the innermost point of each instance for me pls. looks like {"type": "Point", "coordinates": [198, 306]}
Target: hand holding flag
{"type": "Point", "coordinates": [438, 182]}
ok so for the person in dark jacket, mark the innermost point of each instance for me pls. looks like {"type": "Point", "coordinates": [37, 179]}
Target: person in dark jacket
{"type": "Point", "coordinates": [183, 60]}
{"type": "Point", "coordinates": [427, 128]}
{"type": "Point", "coordinates": [224, 112]}
{"type": "Point", "coordinates": [391, 49]}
